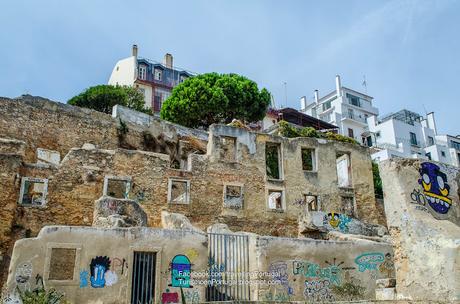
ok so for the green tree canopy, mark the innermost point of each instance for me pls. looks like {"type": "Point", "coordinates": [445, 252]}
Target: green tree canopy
{"type": "Point", "coordinates": [102, 98]}
{"type": "Point", "coordinates": [215, 98]}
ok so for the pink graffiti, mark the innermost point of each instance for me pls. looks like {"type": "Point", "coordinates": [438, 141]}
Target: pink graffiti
{"type": "Point", "coordinates": [169, 297]}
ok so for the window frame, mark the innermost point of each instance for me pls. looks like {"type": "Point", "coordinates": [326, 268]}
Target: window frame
{"type": "Point", "coordinates": [413, 139]}
{"type": "Point", "coordinates": [49, 249]}
{"type": "Point", "coordinates": [313, 159]}
{"type": "Point", "coordinates": [127, 179]}
{"type": "Point", "coordinates": [142, 73]}
{"type": "Point", "coordinates": [241, 195]}
{"type": "Point", "coordinates": [187, 196]}
{"type": "Point", "coordinates": [280, 161]}
{"type": "Point", "coordinates": [25, 179]}
{"type": "Point", "coordinates": [283, 199]}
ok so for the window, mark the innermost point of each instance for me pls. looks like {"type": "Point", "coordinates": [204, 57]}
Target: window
{"type": "Point", "coordinates": [144, 274]}
{"type": "Point", "coordinates": [183, 78]}
{"type": "Point", "coordinates": [117, 187]}
{"type": "Point", "coordinates": [308, 160]}
{"type": "Point", "coordinates": [178, 191]}
{"type": "Point", "coordinates": [311, 201]}
{"type": "Point", "coordinates": [443, 153]}
{"type": "Point", "coordinates": [354, 100]}
{"type": "Point", "coordinates": [378, 134]}
{"type": "Point", "coordinates": [369, 141]}
{"type": "Point", "coordinates": [142, 72]}
{"type": "Point", "coordinates": [455, 145]}
{"type": "Point", "coordinates": [272, 160]}
{"type": "Point", "coordinates": [413, 139]}
{"type": "Point", "coordinates": [33, 191]}
{"type": "Point", "coordinates": [343, 170]}
{"type": "Point", "coordinates": [62, 264]}
{"type": "Point", "coordinates": [430, 141]}
{"type": "Point", "coordinates": [158, 74]}
{"type": "Point", "coordinates": [351, 133]}
{"type": "Point", "coordinates": [326, 105]}
{"type": "Point", "coordinates": [351, 114]}
{"type": "Point", "coordinates": [233, 196]}
{"type": "Point", "coordinates": [275, 200]}
{"type": "Point", "coordinates": [228, 152]}
{"type": "Point", "coordinates": [428, 155]}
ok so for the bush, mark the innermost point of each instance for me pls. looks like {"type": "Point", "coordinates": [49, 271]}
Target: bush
{"type": "Point", "coordinates": [40, 295]}
{"type": "Point", "coordinates": [102, 98]}
{"type": "Point", "coordinates": [287, 130]}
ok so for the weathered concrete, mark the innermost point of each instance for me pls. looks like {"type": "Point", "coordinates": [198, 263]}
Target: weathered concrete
{"type": "Point", "coordinates": [423, 213]}
{"type": "Point", "coordinates": [280, 269]}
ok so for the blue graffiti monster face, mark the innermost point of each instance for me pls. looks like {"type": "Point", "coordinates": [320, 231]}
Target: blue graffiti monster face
{"type": "Point", "coordinates": [435, 187]}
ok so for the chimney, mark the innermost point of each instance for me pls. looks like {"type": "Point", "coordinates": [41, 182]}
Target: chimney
{"type": "Point", "coordinates": [134, 52]}
{"type": "Point", "coordinates": [431, 122]}
{"type": "Point", "coordinates": [316, 96]}
{"type": "Point", "coordinates": [168, 60]}
{"type": "Point", "coordinates": [338, 85]}
{"type": "Point", "coordinates": [303, 103]}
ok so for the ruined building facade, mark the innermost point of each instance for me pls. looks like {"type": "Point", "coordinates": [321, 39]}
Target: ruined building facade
{"type": "Point", "coordinates": [87, 193]}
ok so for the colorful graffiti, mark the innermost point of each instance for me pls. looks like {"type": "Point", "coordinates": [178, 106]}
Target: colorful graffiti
{"type": "Point", "coordinates": [180, 271]}
{"type": "Point", "coordinates": [279, 271]}
{"type": "Point", "coordinates": [277, 297]}
{"type": "Point", "coordinates": [98, 267]}
{"type": "Point", "coordinates": [337, 221]}
{"type": "Point", "coordinates": [192, 254]}
{"type": "Point", "coordinates": [169, 297]}
{"type": "Point", "coordinates": [83, 278]}
{"type": "Point", "coordinates": [369, 261]}
{"type": "Point", "coordinates": [419, 199]}
{"type": "Point", "coordinates": [318, 291]}
{"type": "Point", "coordinates": [192, 296]}
{"type": "Point", "coordinates": [435, 187]}
{"type": "Point", "coordinates": [332, 273]}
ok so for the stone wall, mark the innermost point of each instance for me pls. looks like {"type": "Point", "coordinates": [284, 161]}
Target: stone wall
{"type": "Point", "coordinates": [423, 214]}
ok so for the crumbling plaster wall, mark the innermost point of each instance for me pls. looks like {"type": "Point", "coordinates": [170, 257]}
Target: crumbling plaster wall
{"type": "Point", "coordinates": [319, 270]}
{"type": "Point", "coordinates": [32, 257]}
{"type": "Point", "coordinates": [426, 240]}
{"type": "Point", "coordinates": [299, 269]}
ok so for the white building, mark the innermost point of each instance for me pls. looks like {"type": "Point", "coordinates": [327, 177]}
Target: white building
{"type": "Point", "coordinates": [409, 135]}
{"type": "Point", "coordinates": [155, 80]}
{"type": "Point", "coordinates": [345, 108]}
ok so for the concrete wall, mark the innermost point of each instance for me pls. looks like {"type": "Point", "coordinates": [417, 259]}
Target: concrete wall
{"type": "Point", "coordinates": [423, 215]}
{"type": "Point", "coordinates": [280, 269]}
{"type": "Point", "coordinates": [33, 257]}
{"type": "Point", "coordinates": [315, 271]}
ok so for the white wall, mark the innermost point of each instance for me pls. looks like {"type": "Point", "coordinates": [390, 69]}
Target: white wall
{"type": "Point", "coordinates": [124, 72]}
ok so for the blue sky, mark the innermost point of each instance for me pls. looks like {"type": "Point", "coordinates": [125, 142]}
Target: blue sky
{"type": "Point", "coordinates": [408, 50]}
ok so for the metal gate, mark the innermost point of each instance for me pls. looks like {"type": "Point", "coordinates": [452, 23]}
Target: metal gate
{"type": "Point", "coordinates": [143, 281]}
{"type": "Point", "coordinates": [228, 267]}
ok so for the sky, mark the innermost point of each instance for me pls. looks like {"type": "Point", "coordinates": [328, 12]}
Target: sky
{"type": "Point", "coordinates": [407, 50]}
